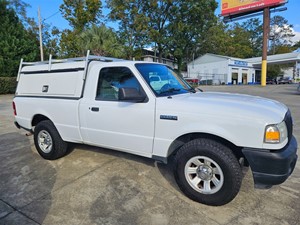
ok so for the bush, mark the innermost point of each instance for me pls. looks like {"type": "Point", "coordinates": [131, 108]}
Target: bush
{"type": "Point", "coordinates": [8, 85]}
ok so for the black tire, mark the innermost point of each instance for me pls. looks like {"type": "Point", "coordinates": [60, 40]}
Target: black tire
{"type": "Point", "coordinates": [48, 142]}
{"type": "Point", "coordinates": [217, 177]}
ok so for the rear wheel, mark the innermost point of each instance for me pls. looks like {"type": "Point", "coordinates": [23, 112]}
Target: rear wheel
{"type": "Point", "coordinates": [48, 142]}
{"type": "Point", "coordinates": [207, 172]}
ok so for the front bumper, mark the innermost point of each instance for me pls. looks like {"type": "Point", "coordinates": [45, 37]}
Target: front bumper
{"type": "Point", "coordinates": [271, 167]}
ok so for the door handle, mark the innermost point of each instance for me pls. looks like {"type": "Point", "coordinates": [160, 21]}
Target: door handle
{"type": "Point", "coordinates": [95, 109]}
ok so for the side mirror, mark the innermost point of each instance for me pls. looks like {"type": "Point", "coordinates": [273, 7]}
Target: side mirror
{"type": "Point", "coordinates": [131, 95]}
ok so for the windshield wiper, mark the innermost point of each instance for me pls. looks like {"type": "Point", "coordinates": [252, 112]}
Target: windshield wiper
{"type": "Point", "coordinates": [192, 90]}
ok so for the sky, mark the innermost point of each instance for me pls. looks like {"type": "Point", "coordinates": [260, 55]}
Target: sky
{"type": "Point", "coordinates": [50, 12]}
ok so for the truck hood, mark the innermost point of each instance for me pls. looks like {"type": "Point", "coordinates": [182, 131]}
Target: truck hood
{"type": "Point", "coordinates": [226, 105]}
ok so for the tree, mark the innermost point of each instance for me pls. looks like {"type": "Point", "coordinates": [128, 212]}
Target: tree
{"type": "Point", "coordinates": [19, 7]}
{"type": "Point", "coordinates": [50, 35]}
{"type": "Point", "coordinates": [240, 42]}
{"type": "Point", "coordinates": [158, 14]}
{"type": "Point", "coordinates": [101, 41]}
{"type": "Point", "coordinates": [51, 39]}
{"type": "Point", "coordinates": [296, 45]}
{"type": "Point", "coordinates": [133, 24]}
{"type": "Point", "coordinates": [255, 29]}
{"type": "Point", "coordinates": [80, 14]}
{"type": "Point", "coordinates": [16, 41]}
{"type": "Point", "coordinates": [281, 32]}
{"type": "Point", "coordinates": [171, 26]}
{"type": "Point", "coordinates": [274, 71]}
{"type": "Point", "coordinates": [189, 21]}
{"type": "Point", "coordinates": [222, 39]}
{"type": "Point", "coordinates": [70, 44]}
{"type": "Point", "coordinates": [142, 22]}
{"type": "Point", "coordinates": [217, 40]}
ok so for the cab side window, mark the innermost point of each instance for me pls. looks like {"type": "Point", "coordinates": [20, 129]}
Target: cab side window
{"type": "Point", "coordinates": [111, 79]}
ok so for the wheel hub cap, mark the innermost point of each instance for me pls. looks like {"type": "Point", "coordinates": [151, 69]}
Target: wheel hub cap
{"type": "Point", "coordinates": [45, 141]}
{"type": "Point", "coordinates": [204, 175]}
{"type": "Point", "coordinates": [205, 172]}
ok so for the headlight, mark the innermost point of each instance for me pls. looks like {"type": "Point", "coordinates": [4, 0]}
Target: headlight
{"type": "Point", "coordinates": [276, 133]}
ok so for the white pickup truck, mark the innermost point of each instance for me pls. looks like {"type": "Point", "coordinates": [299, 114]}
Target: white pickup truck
{"type": "Point", "coordinates": [111, 103]}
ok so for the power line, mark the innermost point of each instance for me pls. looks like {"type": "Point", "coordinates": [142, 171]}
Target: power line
{"type": "Point", "coordinates": [51, 15]}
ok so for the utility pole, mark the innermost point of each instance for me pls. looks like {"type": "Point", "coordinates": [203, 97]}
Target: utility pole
{"type": "Point", "coordinates": [40, 33]}
{"type": "Point", "coordinates": [265, 46]}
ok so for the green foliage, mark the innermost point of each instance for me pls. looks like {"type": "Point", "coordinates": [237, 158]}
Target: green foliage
{"type": "Point", "coordinates": [240, 42]}
{"type": "Point", "coordinates": [8, 85]}
{"type": "Point", "coordinates": [234, 41]}
{"type": "Point", "coordinates": [158, 14]}
{"type": "Point", "coordinates": [216, 40]}
{"type": "Point", "coordinates": [133, 24]}
{"type": "Point", "coordinates": [20, 8]}
{"type": "Point", "coordinates": [281, 33]}
{"type": "Point", "coordinates": [245, 40]}
{"type": "Point", "coordinates": [189, 21]}
{"type": "Point", "coordinates": [281, 49]}
{"type": "Point", "coordinates": [171, 26]}
{"type": "Point", "coordinates": [81, 13]}
{"type": "Point", "coordinates": [50, 35]}
{"type": "Point", "coordinates": [51, 39]}
{"type": "Point", "coordinates": [16, 42]}
{"type": "Point", "coordinates": [254, 28]}
{"type": "Point", "coordinates": [274, 71]}
{"type": "Point", "coordinates": [296, 45]}
{"type": "Point", "coordinates": [70, 44]}
{"type": "Point", "coordinates": [101, 41]}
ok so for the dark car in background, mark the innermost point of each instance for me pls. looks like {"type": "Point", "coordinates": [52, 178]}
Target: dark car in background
{"type": "Point", "coordinates": [206, 82]}
{"type": "Point", "coordinates": [271, 80]}
{"type": "Point", "coordinates": [285, 80]}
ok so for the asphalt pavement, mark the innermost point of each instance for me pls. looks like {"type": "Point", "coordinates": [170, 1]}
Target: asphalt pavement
{"type": "Point", "coordinates": [99, 186]}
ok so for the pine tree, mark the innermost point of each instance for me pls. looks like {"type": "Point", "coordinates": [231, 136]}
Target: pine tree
{"type": "Point", "coordinates": [16, 42]}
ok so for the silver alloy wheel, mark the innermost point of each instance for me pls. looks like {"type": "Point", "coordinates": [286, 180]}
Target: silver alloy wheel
{"type": "Point", "coordinates": [204, 175]}
{"type": "Point", "coordinates": [45, 141]}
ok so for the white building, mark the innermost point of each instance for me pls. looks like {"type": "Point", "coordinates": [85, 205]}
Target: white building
{"type": "Point", "coordinates": [217, 69]}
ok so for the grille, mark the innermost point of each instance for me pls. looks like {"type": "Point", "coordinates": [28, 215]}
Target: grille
{"type": "Point", "coordinates": [289, 124]}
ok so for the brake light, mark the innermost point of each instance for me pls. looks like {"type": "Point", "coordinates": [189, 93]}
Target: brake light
{"type": "Point", "coordinates": [14, 108]}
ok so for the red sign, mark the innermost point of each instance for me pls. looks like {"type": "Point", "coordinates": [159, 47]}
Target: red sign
{"type": "Point", "coordinates": [233, 7]}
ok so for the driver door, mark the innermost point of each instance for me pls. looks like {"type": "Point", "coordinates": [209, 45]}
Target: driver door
{"type": "Point", "coordinates": [111, 123]}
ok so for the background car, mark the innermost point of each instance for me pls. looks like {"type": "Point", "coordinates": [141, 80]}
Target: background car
{"type": "Point", "coordinates": [206, 82]}
{"type": "Point", "coordinates": [285, 80]}
{"type": "Point", "coordinates": [271, 81]}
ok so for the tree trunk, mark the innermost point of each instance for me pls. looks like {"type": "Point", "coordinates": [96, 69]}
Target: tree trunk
{"type": "Point", "coordinates": [179, 65]}
{"type": "Point", "coordinates": [160, 53]}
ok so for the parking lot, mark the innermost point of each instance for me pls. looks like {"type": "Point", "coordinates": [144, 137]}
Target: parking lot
{"type": "Point", "coordinates": [99, 186]}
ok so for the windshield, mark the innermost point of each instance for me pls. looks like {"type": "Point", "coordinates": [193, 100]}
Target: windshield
{"type": "Point", "coordinates": [163, 80]}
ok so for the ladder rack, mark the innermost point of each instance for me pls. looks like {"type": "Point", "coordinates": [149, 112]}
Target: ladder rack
{"type": "Point", "coordinates": [51, 61]}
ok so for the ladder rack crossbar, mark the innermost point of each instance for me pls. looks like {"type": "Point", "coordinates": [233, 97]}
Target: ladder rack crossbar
{"type": "Point", "coordinates": [51, 61]}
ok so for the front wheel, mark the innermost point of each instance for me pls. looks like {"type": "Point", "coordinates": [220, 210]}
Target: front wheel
{"type": "Point", "coordinates": [207, 172]}
{"type": "Point", "coordinates": [48, 142]}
